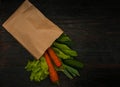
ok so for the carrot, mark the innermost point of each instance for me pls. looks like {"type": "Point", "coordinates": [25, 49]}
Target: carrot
{"type": "Point", "coordinates": [52, 72]}
{"type": "Point", "coordinates": [54, 57]}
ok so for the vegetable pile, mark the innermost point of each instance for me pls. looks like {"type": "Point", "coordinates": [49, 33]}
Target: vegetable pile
{"type": "Point", "coordinates": [59, 57]}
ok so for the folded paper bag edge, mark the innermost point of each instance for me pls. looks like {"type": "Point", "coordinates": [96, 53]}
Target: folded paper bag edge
{"type": "Point", "coordinates": [18, 10]}
{"type": "Point", "coordinates": [7, 24]}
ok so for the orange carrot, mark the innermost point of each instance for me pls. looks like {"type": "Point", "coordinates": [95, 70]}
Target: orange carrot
{"type": "Point", "coordinates": [52, 72]}
{"type": "Point", "coordinates": [54, 57]}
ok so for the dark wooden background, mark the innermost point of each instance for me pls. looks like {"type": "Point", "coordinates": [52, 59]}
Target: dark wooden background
{"type": "Point", "coordinates": [93, 25]}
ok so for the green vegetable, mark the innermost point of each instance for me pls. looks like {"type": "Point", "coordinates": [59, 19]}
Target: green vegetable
{"type": "Point", "coordinates": [67, 74]}
{"type": "Point", "coordinates": [72, 70]}
{"type": "Point", "coordinates": [65, 49]}
{"type": "Point", "coordinates": [65, 39]}
{"type": "Point", "coordinates": [60, 54]}
{"type": "Point", "coordinates": [65, 71]}
{"type": "Point", "coordinates": [74, 63]}
{"type": "Point", "coordinates": [38, 69]}
{"type": "Point", "coordinates": [69, 71]}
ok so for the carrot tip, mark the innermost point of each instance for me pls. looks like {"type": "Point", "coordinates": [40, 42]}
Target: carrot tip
{"type": "Point", "coordinates": [58, 83]}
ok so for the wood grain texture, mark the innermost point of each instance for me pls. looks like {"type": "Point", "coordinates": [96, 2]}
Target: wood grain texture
{"type": "Point", "coordinates": [94, 26]}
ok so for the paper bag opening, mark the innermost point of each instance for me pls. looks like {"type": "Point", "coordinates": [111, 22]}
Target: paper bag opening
{"type": "Point", "coordinates": [32, 29]}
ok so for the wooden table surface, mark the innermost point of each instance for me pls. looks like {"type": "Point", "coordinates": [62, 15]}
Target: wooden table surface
{"type": "Point", "coordinates": [94, 27]}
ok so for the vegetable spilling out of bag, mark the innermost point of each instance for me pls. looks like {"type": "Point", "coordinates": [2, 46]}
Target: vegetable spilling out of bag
{"type": "Point", "coordinates": [60, 57]}
{"type": "Point", "coordinates": [28, 26]}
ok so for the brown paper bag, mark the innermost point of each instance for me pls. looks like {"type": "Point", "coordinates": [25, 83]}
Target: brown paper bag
{"type": "Point", "coordinates": [32, 29]}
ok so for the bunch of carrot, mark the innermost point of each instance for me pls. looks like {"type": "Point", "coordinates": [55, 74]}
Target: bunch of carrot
{"type": "Point", "coordinates": [50, 57]}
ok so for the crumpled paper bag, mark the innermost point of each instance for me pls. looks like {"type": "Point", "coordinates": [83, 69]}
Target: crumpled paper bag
{"type": "Point", "coordinates": [32, 29]}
